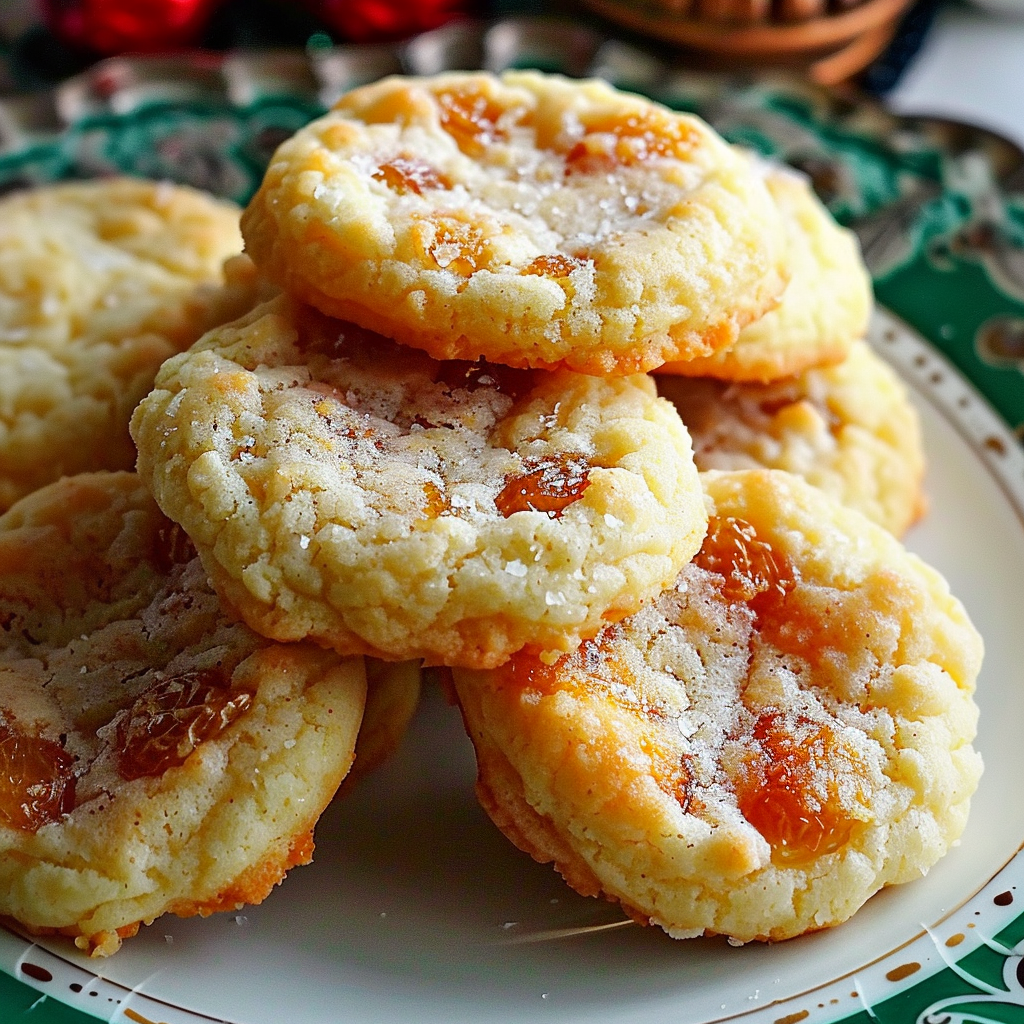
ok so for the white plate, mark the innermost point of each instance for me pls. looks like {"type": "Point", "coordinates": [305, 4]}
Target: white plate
{"type": "Point", "coordinates": [417, 910]}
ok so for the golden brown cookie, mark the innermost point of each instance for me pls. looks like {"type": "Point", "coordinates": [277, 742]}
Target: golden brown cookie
{"type": "Point", "coordinates": [100, 281]}
{"type": "Point", "coordinates": [354, 491]}
{"type": "Point", "coordinates": [392, 696]}
{"type": "Point", "coordinates": [779, 735]}
{"type": "Point", "coordinates": [155, 756]}
{"type": "Point", "coordinates": [849, 429]}
{"type": "Point", "coordinates": [825, 306]}
{"type": "Point", "coordinates": [528, 219]}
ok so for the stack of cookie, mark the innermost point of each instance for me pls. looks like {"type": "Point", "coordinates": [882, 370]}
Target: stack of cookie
{"type": "Point", "coordinates": [713, 693]}
{"type": "Point", "coordinates": [155, 754]}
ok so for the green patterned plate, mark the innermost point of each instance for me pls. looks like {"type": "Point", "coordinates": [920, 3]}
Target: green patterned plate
{"type": "Point", "coordinates": [415, 907]}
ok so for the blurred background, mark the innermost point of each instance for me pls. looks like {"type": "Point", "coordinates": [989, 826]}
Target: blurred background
{"type": "Point", "coordinates": [940, 50]}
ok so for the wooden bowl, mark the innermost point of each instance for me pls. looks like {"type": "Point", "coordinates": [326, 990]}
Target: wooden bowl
{"type": "Point", "coordinates": [828, 47]}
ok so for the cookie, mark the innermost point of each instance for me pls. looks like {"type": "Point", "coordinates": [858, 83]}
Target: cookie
{"type": "Point", "coordinates": [347, 489]}
{"type": "Point", "coordinates": [824, 308]}
{"type": "Point", "coordinates": [779, 735]}
{"type": "Point", "coordinates": [100, 281]}
{"type": "Point", "coordinates": [528, 219]}
{"type": "Point", "coordinates": [155, 756]}
{"type": "Point", "coordinates": [849, 429]}
{"type": "Point", "coordinates": [392, 696]}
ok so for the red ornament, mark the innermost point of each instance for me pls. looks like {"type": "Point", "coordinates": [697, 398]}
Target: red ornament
{"type": "Point", "coordinates": [366, 21]}
{"type": "Point", "coordinates": [119, 26]}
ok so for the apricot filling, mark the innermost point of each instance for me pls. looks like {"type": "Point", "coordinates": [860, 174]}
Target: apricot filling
{"type": "Point", "coordinates": [408, 174]}
{"type": "Point", "coordinates": [37, 781]}
{"type": "Point", "coordinates": [452, 244]}
{"type": "Point", "coordinates": [471, 119]}
{"type": "Point", "coordinates": [549, 485]}
{"type": "Point", "coordinates": [168, 721]}
{"type": "Point", "coordinates": [556, 265]}
{"type": "Point", "coordinates": [752, 571]}
{"type": "Point", "coordinates": [614, 142]}
{"type": "Point", "coordinates": [791, 788]}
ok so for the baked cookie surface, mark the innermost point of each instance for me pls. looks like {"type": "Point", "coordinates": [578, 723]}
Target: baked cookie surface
{"type": "Point", "coordinates": [351, 490]}
{"type": "Point", "coordinates": [155, 756]}
{"type": "Point", "coordinates": [849, 429]}
{"type": "Point", "coordinates": [826, 304]}
{"type": "Point", "coordinates": [100, 281]}
{"type": "Point", "coordinates": [781, 734]}
{"type": "Point", "coordinates": [528, 219]}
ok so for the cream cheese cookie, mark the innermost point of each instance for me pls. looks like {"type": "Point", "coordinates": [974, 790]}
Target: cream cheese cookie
{"type": "Point", "coordinates": [155, 756]}
{"type": "Point", "coordinates": [783, 732]}
{"type": "Point", "coordinates": [100, 281]}
{"type": "Point", "coordinates": [849, 429]}
{"type": "Point", "coordinates": [826, 304]}
{"type": "Point", "coordinates": [354, 491]}
{"type": "Point", "coordinates": [527, 219]}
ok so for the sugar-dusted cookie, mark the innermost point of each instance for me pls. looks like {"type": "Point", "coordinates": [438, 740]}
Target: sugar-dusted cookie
{"type": "Point", "coordinates": [100, 281]}
{"type": "Point", "coordinates": [782, 733]}
{"type": "Point", "coordinates": [849, 429]}
{"type": "Point", "coordinates": [348, 489]}
{"type": "Point", "coordinates": [527, 219]}
{"type": "Point", "coordinates": [155, 756]}
{"type": "Point", "coordinates": [824, 308]}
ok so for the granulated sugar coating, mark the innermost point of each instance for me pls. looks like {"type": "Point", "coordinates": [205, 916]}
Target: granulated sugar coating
{"type": "Point", "coordinates": [528, 219]}
{"type": "Point", "coordinates": [344, 488]}
{"type": "Point", "coordinates": [155, 755]}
